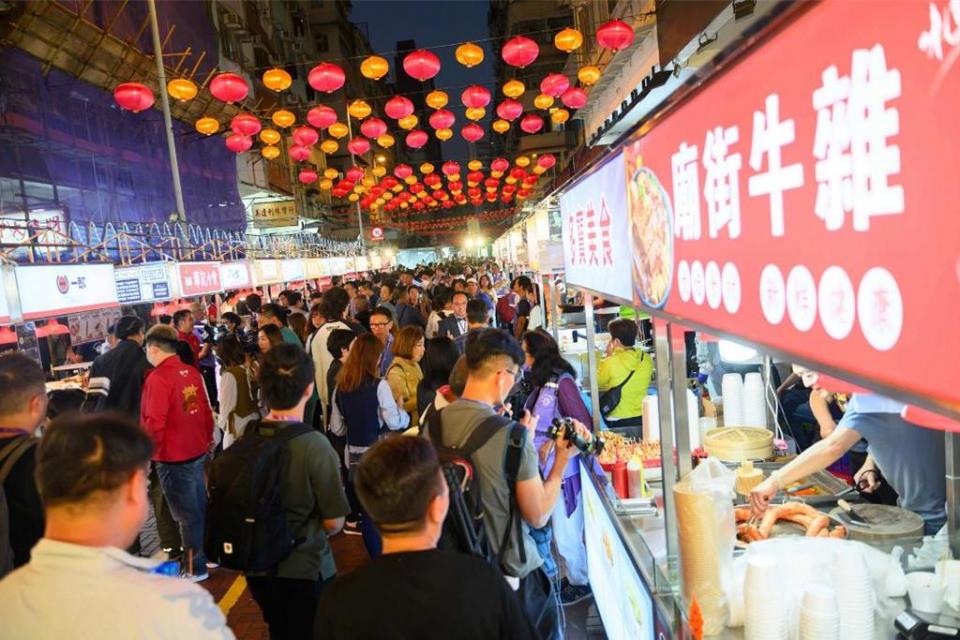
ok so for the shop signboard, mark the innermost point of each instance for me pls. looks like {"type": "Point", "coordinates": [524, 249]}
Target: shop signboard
{"type": "Point", "coordinates": [280, 213]}
{"type": "Point", "coordinates": [815, 211]}
{"type": "Point", "coordinates": [198, 278]}
{"type": "Point", "coordinates": [292, 269]}
{"type": "Point", "coordinates": [621, 597]}
{"type": "Point", "coordinates": [235, 275]}
{"type": "Point", "coordinates": [597, 245]}
{"type": "Point", "coordinates": [363, 263]}
{"type": "Point", "coordinates": [340, 265]}
{"type": "Point", "coordinates": [57, 290]}
{"type": "Point", "coordinates": [376, 234]}
{"type": "Point", "coordinates": [143, 283]}
{"type": "Point", "coordinates": [315, 268]}
{"type": "Point", "coordinates": [267, 272]}
{"type": "Point", "coordinates": [91, 326]}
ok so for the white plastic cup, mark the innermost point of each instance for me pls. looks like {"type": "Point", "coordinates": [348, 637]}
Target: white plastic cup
{"type": "Point", "coordinates": [926, 591]}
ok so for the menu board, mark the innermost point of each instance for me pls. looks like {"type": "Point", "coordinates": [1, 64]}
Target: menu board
{"type": "Point", "coordinates": [143, 283]}
{"type": "Point", "coordinates": [815, 211]}
{"type": "Point", "coordinates": [57, 290]}
{"type": "Point", "coordinates": [267, 272]}
{"type": "Point", "coordinates": [621, 597]}
{"type": "Point", "coordinates": [91, 326]}
{"type": "Point", "coordinates": [292, 269]}
{"type": "Point", "coordinates": [235, 275]}
{"type": "Point", "coordinates": [597, 245]}
{"type": "Point", "coordinates": [198, 278]}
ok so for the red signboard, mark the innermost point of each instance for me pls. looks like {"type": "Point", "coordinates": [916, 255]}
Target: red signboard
{"type": "Point", "coordinates": [808, 197]}
{"type": "Point", "coordinates": [376, 234]}
{"type": "Point", "coordinates": [198, 278]}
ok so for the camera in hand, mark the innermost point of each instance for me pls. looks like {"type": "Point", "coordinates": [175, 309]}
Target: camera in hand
{"type": "Point", "coordinates": [565, 427]}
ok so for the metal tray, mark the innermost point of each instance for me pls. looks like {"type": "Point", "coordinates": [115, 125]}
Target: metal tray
{"type": "Point", "coordinates": [832, 486]}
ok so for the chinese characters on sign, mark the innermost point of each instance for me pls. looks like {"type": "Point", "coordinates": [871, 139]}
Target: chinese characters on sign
{"type": "Point", "coordinates": [197, 278]}
{"type": "Point", "coordinates": [282, 213]}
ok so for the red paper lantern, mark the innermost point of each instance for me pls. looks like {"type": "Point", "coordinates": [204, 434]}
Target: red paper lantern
{"type": "Point", "coordinates": [615, 35]}
{"type": "Point", "coordinates": [500, 164]}
{"type": "Point", "coordinates": [238, 143]}
{"type": "Point", "coordinates": [530, 180]}
{"type": "Point", "coordinates": [472, 132]}
{"type": "Point", "coordinates": [307, 176]}
{"type": "Point", "coordinates": [509, 188]}
{"type": "Point", "coordinates": [450, 168]}
{"type": "Point", "coordinates": [575, 98]}
{"type": "Point", "coordinates": [373, 127]}
{"type": "Point", "coordinates": [421, 64]}
{"type": "Point", "coordinates": [321, 117]}
{"type": "Point", "coordinates": [518, 173]}
{"type": "Point", "coordinates": [305, 136]}
{"type": "Point", "coordinates": [416, 139]}
{"type": "Point", "coordinates": [509, 110]}
{"type": "Point", "coordinates": [229, 87]}
{"type": "Point", "coordinates": [298, 153]}
{"type": "Point", "coordinates": [441, 119]}
{"type": "Point", "coordinates": [554, 84]}
{"type": "Point", "coordinates": [133, 96]}
{"type": "Point", "coordinates": [491, 183]}
{"type": "Point", "coordinates": [389, 182]}
{"type": "Point", "coordinates": [398, 107]}
{"type": "Point", "coordinates": [475, 97]}
{"type": "Point", "coordinates": [474, 192]}
{"type": "Point", "coordinates": [520, 51]}
{"type": "Point", "coordinates": [416, 187]}
{"type": "Point", "coordinates": [245, 124]}
{"type": "Point", "coordinates": [475, 176]}
{"type": "Point", "coordinates": [456, 186]}
{"type": "Point", "coordinates": [326, 77]}
{"type": "Point", "coordinates": [354, 173]}
{"type": "Point", "coordinates": [432, 180]}
{"type": "Point", "coordinates": [476, 201]}
{"type": "Point", "coordinates": [403, 171]}
{"type": "Point", "coordinates": [547, 160]}
{"type": "Point", "coordinates": [358, 146]}
{"type": "Point", "coordinates": [531, 123]}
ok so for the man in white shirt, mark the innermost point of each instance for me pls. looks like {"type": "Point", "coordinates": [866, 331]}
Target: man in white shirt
{"type": "Point", "coordinates": [92, 476]}
{"type": "Point", "coordinates": [334, 305]}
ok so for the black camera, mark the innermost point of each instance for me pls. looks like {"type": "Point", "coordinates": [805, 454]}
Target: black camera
{"type": "Point", "coordinates": [565, 426]}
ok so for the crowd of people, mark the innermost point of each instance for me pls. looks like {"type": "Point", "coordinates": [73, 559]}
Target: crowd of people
{"type": "Point", "coordinates": [190, 409]}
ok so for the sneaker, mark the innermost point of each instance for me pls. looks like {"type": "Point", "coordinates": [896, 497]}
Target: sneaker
{"type": "Point", "coordinates": [572, 594]}
{"type": "Point", "coordinates": [212, 565]}
{"type": "Point", "coordinates": [352, 528]}
{"type": "Point", "coordinates": [197, 577]}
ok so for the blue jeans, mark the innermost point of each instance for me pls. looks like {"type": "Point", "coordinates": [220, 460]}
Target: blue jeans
{"type": "Point", "coordinates": [183, 487]}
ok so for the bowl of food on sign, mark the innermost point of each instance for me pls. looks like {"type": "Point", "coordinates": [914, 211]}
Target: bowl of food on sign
{"type": "Point", "coordinates": [651, 228]}
{"type": "Point", "coordinates": [787, 519]}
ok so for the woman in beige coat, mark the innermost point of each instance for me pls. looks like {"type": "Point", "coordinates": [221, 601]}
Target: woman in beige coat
{"type": "Point", "coordinates": [404, 374]}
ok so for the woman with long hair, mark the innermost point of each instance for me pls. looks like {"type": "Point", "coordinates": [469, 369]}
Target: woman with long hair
{"type": "Point", "coordinates": [486, 286]}
{"type": "Point", "coordinates": [555, 394]}
{"type": "Point", "coordinates": [268, 337]}
{"type": "Point", "coordinates": [439, 358]}
{"type": "Point", "coordinates": [298, 324]}
{"type": "Point", "coordinates": [238, 401]}
{"type": "Point", "coordinates": [404, 374]}
{"type": "Point", "coordinates": [363, 409]}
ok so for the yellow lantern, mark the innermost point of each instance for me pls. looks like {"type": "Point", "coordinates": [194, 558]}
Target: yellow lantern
{"type": "Point", "coordinates": [511, 180]}
{"type": "Point", "coordinates": [387, 196]}
{"type": "Point", "coordinates": [379, 171]}
{"type": "Point", "coordinates": [523, 161]}
{"type": "Point", "coordinates": [513, 89]}
{"type": "Point", "coordinates": [360, 189]}
{"type": "Point", "coordinates": [404, 205]}
{"type": "Point", "coordinates": [408, 122]}
{"type": "Point", "coordinates": [359, 109]}
{"type": "Point", "coordinates": [500, 126]}
{"type": "Point", "coordinates": [270, 152]}
{"type": "Point", "coordinates": [410, 179]}
{"type": "Point", "coordinates": [589, 75]}
{"type": "Point", "coordinates": [426, 168]}
{"type": "Point", "coordinates": [353, 197]}
{"type": "Point", "coordinates": [474, 165]}
{"type": "Point", "coordinates": [338, 130]}
{"type": "Point", "coordinates": [283, 118]}
{"type": "Point", "coordinates": [494, 189]}
{"type": "Point", "coordinates": [475, 113]}
{"type": "Point", "coordinates": [453, 177]}
{"type": "Point", "coordinates": [326, 184]}
{"type": "Point", "coordinates": [496, 174]}
{"type": "Point", "coordinates": [331, 173]}
{"type": "Point", "coordinates": [568, 40]}
{"type": "Point", "coordinates": [386, 141]}
{"type": "Point", "coordinates": [329, 146]}
{"type": "Point", "coordinates": [369, 181]}
{"type": "Point", "coordinates": [182, 89]}
{"type": "Point", "coordinates": [277, 79]}
{"type": "Point", "coordinates": [270, 136]}
{"type": "Point", "coordinates": [543, 101]}
{"type": "Point", "coordinates": [469, 55]}
{"type": "Point", "coordinates": [444, 134]}
{"type": "Point", "coordinates": [422, 195]}
{"type": "Point", "coordinates": [559, 116]}
{"type": "Point", "coordinates": [381, 200]}
{"type": "Point", "coordinates": [397, 189]}
{"type": "Point", "coordinates": [374, 67]}
{"type": "Point", "coordinates": [207, 126]}
{"type": "Point", "coordinates": [437, 99]}
{"type": "Point", "coordinates": [538, 169]}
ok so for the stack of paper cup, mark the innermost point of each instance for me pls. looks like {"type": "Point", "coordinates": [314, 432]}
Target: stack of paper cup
{"type": "Point", "coordinates": [732, 390]}
{"type": "Point", "coordinates": [819, 614]}
{"type": "Point", "coordinates": [852, 578]}
{"type": "Point", "coordinates": [766, 618]}
{"type": "Point", "coordinates": [754, 408]}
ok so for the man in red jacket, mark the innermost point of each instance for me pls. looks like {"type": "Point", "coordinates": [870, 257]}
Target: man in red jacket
{"type": "Point", "coordinates": [177, 415]}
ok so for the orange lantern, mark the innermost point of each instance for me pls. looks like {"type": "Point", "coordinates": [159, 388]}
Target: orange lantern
{"type": "Point", "coordinates": [326, 184]}
{"type": "Point", "coordinates": [270, 136]}
{"type": "Point", "coordinates": [283, 118]}
{"type": "Point", "coordinates": [444, 134]}
{"type": "Point", "coordinates": [378, 171]}
{"type": "Point", "coordinates": [500, 126]}
{"type": "Point", "coordinates": [408, 122]}
{"type": "Point", "coordinates": [513, 88]}
{"type": "Point", "coordinates": [374, 67]}
{"type": "Point", "coordinates": [338, 130]}
{"type": "Point", "coordinates": [474, 165]}
{"type": "Point", "coordinates": [436, 99]}
{"type": "Point", "coordinates": [386, 141]}
{"type": "Point", "coordinates": [359, 109]}
{"type": "Point", "coordinates": [277, 79]}
{"type": "Point", "coordinates": [589, 75]}
{"type": "Point", "coordinates": [182, 89]}
{"type": "Point", "coordinates": [270, 152]}
{"type": "Point", "coordinates": [475, 113]}
{"type": "Point", "coordinates": [410, 179]}
{"type": "Point", "coordinates": [331, 173]}
{"type": "Point", "coordinates": [568, 40]}
{"type": "Point", "coordinates": [329, 146]}
{"type": "Point", "coordinates": [523, 161]}
{"type": "Point", "coordinates": [207, 126]}
{"type": "Point", "coordinates": [469, 55]}
{"type": "Point", "coordinates": [543, 101]}
{"type": "Point", "coordinates": [559, 116]}
{"type": "Point", "coordinates": [426, 168]}
{"type": "Point", "coordinates": [353, 197]}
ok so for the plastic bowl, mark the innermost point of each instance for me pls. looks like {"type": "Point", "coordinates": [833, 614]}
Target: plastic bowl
{"type": "Point", "coordinates": [926, 591]}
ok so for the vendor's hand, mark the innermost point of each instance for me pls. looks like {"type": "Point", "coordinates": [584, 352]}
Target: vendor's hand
{"type": "Point", "coordinates": [505, 409]}
{"type": "Point", "coordinates": [866, 480]}
{"type": "Point", "coordinates": [761, 496]}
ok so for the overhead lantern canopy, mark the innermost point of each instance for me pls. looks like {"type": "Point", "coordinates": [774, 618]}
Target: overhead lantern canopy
{"type": "Point", "coordinates": [475, 113]}
{"type": "Point", "coordinates": [133, 96]}
{"type": "Point", "coordinates": [568, 40]}
{"type": "Point", "coordinates": [436, 99]}
{"type": "Point", "coordinates": [326, 77]}
{"type": "Point", "coordinates": [472, 132]}
{"type": "Point", "coordinates": [615, 35]}
{"type": "Point", "coordinates": [513, 88]}
{"type": "Point", "coordinates": [509, 110]}
{"type": "Point", "coordinates": [283, 118]}
{"type": "Point", "coordinates": [229, 87]}
{"type": "Point", "coordinates": [589, 75]}
{"type": "Point", "coordinates": [421, 64]}
{"type": "Point", "coordinates": [374, 67]}
{"type": "Point", "coordinates": [277, 79]}
{"type": "Point", "coordinates": [469, 55]}
{"type": "Point", "coordinates": [182, 89]}
{"type": "Point", "coordinates": [270, 136]}
{"type": "Point", "coordinates": [238, 143]}
{"type": "Point", "coordinates": [520, 51]}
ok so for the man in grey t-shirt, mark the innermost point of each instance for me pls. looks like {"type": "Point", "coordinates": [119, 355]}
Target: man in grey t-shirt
{"type": "Point", "coordinates": [493, 362]}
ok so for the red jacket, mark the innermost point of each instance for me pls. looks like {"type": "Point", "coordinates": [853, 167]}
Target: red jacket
{"type": "Point", "coordinates": [194, 342]}
{"type": "Point", "coordinates": [175, 411]}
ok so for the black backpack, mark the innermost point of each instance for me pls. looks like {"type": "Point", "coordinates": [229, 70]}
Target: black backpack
{"type": "Point", "coordinates": [463, 529]}
{"type": "Point", "coordinates": [9, 456]}
{"type": "Point", "coordinates": [246, 520]}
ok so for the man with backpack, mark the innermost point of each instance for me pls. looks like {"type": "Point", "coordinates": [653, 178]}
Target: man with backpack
{"type": "Point", "coordinates": [23, 408]}
{"type": "Point", "coordinates": [419, 592]}
{"type": "Point", "coordinates": [283, 476]}
{"type": "Point", "coordinates": [513, 497]}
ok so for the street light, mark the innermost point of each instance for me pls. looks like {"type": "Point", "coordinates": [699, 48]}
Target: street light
{"type": "Point", "coordinates": [469, 243]}
{"type": "Point", "coordinates": [381, 158]}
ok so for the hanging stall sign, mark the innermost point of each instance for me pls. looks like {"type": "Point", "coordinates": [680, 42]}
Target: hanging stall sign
{"type": "Point", "coordinates": [267, 272]}
{"type": "Point", "coordinates": [143, 283]}
{"type": "Point", "coordinates": [315, 268]}
{"type": "Point", "coordinates": [292, 269]}
{"type": "Point", "coordinates": [816, 211]}
{"type": "Point", "coordinates": [340, 265]}
{"type": "Point", "coordinates": [198, 278]}
{"type": "Point", "coordinates": [376, 234]}
{"type": "Point", "coordinates": [235, 275]}
{"type": "Point", "coordinates": [281, 213]}
{"type": "Point", "coordinates": [363, 263]}
{"type": "Point", "coordinates": [92, 326]}
{"type": "Point", "coordinates": [597, 245]}
{"type": "Point", "coordinates": [375, 261]}
{"type": "Point", "coordinates": [57, 290]}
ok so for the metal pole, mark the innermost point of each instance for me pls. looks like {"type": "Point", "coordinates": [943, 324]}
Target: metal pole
{"type": "Point", "coordinates": [953, 491]}
{"type": "Point", "coordinates": [592, 359]}
{"type": "Point", "coordinates": [678, 368]}
{"type": "Point", "coordinates": [661, 341]}
{"type": "Point", "coordinates": [353, 161]}
{"type": "Point", "coordinates": [165, 103]}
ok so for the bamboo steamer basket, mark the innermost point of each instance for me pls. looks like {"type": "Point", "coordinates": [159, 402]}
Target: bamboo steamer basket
{"type": "Point", "coordinates": [736, 444]}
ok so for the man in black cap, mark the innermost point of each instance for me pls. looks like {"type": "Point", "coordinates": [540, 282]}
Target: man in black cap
{"type": "Point", "coordinates": [125, 365]}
